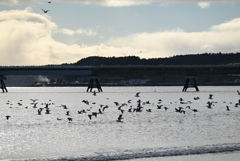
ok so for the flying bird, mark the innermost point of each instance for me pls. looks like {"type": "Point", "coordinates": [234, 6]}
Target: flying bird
{"type": "Point", "coordinates": [137, 94]}
{"type": "Point", "coordinates": [45, 11]}
{"type": "Point", "coordinates": [120, 118]}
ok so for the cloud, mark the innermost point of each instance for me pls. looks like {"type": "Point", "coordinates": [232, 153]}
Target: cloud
{"type": "Point", "coordinates": [78, 32]}
{"type": "Point", "coordinates": [204, 4]}
{"type": "Point", "coordinates": [26, 39]}
{"type": "Point", "coordinates": [117, 3]}
{"type": "Point", "coordinates": [220, 38]}
{"type": "Point", "coordinates": [16, 2]}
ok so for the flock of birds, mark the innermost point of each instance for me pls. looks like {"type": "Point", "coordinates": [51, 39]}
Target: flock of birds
{"type": "Point", "coordinates": [92, 111]}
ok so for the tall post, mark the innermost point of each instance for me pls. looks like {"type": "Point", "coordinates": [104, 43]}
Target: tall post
{"type": "Point", "coordinates": [186, 85]}
{"type": "Point", "coordinates": [91, 84]}
{"type": "Point", "coordinates": [3, 86]}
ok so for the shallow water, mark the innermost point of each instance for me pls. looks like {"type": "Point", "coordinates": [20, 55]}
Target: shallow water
{"type": "Point", "coordinates": [160, 133]}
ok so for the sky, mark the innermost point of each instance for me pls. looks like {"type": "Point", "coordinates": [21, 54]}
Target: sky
{"type": "Point", "coordinates": [76, 29]}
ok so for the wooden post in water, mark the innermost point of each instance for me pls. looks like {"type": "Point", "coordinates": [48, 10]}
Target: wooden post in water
{"type": "Point", "coordinates": [91, 84]}
{"type": "Point", "coordinates": [186, 85]}
{"type": "Point", "coordinates": [3, 86]}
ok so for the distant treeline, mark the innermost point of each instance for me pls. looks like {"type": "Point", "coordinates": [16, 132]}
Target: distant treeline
{"type": "Point", "coordinates": [191, 59]}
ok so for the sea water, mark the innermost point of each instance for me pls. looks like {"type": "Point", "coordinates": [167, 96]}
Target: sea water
{"type": "Point", "coordinates": [208, 134]}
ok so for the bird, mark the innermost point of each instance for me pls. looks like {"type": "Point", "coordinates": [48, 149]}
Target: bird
{"type": "Point", "coordinates": [47, 111]}
{"type": "Point", "coordinates": [67, 113]}
{"type": "Point", "coordinates": [7, 117]}
{"type": "Point", "coordinates": [210, 104]}
{"type": "Point", "coordinates": [69, 119]}
{"type": "Point", "coordinates": [238, 92]}
{"type": "Point", "coordinates": [159, 106]}
{"type": "Point", "coordinates": [130, 109]}
{"type": "Point", "coordinates": [35, 105]}
{"type": "Point", "coordinates": [210, 96]}
{"type": "Point", "coordinates": [194, 110]}
{"type": "Point", "coordinates": [148, 110]}
{"type": "Point", "coordinates": [94, 113]}
{"type": "Point", "coordinates": [40, 111]}
{"type": "Point", "coordinates": [196, 98]}
{"type": "Point", "coordinates": [165, 108]}
{"type": "Point", "coordinates": [105, 107]}
{"type": "Point", "coordinates": [90, 117]}
{"type": "Point", "coordinates": [45, 11]}
{"type": "Point", "coordinates": [64, 106]}
{"type": "Point", "coordinates": [137, 94]}
{"type": "Point", "coordinates": [49, 1]}
{"type": "Point", "coordinates": [227, 108]}
{"type": "Point", "coordinates": [116, 103]}
{"type": "Point", "coordinates": [188, 107]}
{"type": "Point", "coordinates": [120, 118]}
{"type": "Point", "coordinates": [100, 111]}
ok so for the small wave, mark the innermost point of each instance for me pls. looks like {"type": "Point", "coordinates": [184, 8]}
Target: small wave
{"type": "Point", "coordinates": [150, 152]}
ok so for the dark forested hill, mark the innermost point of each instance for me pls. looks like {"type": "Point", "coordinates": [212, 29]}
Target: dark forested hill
{"type": "Point", "coordinates": [191, 59]}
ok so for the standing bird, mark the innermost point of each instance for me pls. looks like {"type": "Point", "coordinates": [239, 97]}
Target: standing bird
{"type": "Point", "coordinates": [45, 11]}
{"type": "Point", "coordinates": [210, 96]}
{"type": "Point", "coordinates": [227, 108]}
{"type": "Point", "coordinates": [7, 117]}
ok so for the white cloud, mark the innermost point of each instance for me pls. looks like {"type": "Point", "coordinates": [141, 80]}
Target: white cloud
{"type": "Point", "coordinates": [224, 37]}
{"type": "Point", "coordinates": [16, 2]}
{"type": "Point", "coordinates": [79, 32]}
{"type": "Point", "coordinates": [204, 4]}
{"type": "Point", "coordinates": [26, 39]}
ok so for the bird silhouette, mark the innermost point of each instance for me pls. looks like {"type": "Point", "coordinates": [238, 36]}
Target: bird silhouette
{"type": "Point", "coordinates": [120, 118]}
{"type": "Point", "coordinates": [45, 11]}
{"type": "Point", "coordinates": [227, 108]}
{"type": "Point", "coordinates": [137, 94]}
{"type": "Point", "coordinates": [7, 117]}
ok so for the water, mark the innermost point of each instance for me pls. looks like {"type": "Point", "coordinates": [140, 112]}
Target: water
{"type": "Point", "coordinates": [209, 134]}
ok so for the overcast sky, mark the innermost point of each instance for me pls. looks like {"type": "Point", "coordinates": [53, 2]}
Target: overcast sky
{"type": "Point", "coordinates": [75, 29]}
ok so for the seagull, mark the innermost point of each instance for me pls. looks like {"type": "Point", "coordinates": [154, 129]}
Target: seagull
{"type": "Point", "coordinates": [120, 118]}
{"type": "Point", "coordinates": [49, 2]}
{"type": "Point", "coordinates": [159, 106]}
{"type": "Point", "coordinates": [165, 108]}
{"type": "Point", "coordinates": [45, 11]}
{"type": "Point", "coordinates": [69, 119]}
{"type": "Point", "coordinates": [210, 96]}
{"type": "Point", "coordinates": [67, 113]}
{"type": "Point", "coordinates": [238, 92]}
{"type": "Point", "coordinates": [7, 117]}
{"type": "Point", "coordinates": [227, 108]}
{"type": "Point", "coordinates": [40, 111]}
{"type": "Point", "coordinates": [148, 110]}
{"type": "Point", "coordinates": [90, 117]}
{"type": "Point", "coordinates": [137, 94]}
{"type": "Point", "coordinates": [194, 110]}
{"type": "Point", "coordinates": [105, 107]}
